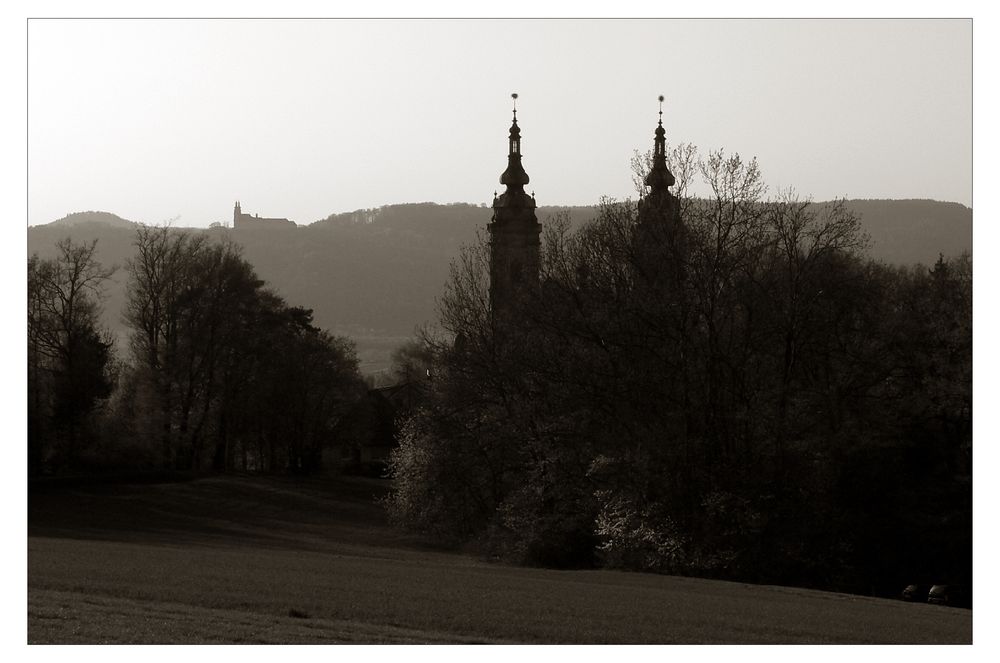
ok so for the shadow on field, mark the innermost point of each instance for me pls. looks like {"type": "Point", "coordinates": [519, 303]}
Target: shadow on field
{"type": "Point", "coordinates": [275, 512]}
{"type": "Point", "coordinates": [277, 559]}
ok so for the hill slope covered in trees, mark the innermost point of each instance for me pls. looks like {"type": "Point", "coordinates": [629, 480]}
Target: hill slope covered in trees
{"type": "Point", "coordinates": [375, 274]}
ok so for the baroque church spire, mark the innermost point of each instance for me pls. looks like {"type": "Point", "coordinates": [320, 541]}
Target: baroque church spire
{"type": "Point", "coordinates": [514, 178]}
{"type": "Point", "coordinates": [660, 177]}
{"type": "Point", "coordinates": [514, 230]}
{"type": "Point", "coordinates": [659, 206]}
{"type": "Point", "coordinates": [660, 235]}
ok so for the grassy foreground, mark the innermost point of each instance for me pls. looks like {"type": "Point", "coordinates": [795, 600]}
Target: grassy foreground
{"type": "Point", "coordinates": [277, 561]}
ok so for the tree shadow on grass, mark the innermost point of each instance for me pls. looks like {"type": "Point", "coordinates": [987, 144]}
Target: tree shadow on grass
{"type": "Point", "coordinates": [274, 512]}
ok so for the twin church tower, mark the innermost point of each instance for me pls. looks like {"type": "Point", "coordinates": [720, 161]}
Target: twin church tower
{"type": "Point", "coordinates": [514, 229]}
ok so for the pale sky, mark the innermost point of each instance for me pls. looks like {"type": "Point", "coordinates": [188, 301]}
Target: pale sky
{"type": "Point", "coordinates": [157, 119]}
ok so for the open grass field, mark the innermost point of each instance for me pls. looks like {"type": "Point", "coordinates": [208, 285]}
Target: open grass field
{"type": "Point", "coordinates": [271, 560]}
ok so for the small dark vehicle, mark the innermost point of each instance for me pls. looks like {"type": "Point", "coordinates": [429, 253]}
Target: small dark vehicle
{"type": "Point", "coordinates": [915, 593]}
{"type": "Point", "coordinates": [953, 595]}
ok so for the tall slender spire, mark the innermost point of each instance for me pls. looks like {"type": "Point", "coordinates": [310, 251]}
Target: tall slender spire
{"type": "Point", "coordinates": [659, 209]}
{"type": "Point", "coordinates": [660, 177]}
{"type": "Point", "coordinates": [514, 178]}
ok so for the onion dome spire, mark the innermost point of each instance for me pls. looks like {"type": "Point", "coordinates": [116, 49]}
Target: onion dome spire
{"type": "Point", "coordinates": [660, 177]}
{"type": "Point", "coordinates": [514, 178]}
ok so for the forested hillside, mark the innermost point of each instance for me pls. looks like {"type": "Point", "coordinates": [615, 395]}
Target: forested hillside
{"type": "Point", "coordinates": [375, 274]}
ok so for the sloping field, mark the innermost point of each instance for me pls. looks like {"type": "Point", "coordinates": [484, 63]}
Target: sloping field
{"type": "Point", "coordinates": [274, 560]}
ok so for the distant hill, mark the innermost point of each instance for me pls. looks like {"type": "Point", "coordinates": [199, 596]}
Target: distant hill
{"type": "Point", "coordinates": [82, 218]}
{"type": "Point", "coordinates": [914, 231]}
{"type": "Point", "coordinates": [374, 274]}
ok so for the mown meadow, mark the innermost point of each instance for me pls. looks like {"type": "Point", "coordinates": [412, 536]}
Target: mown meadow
{"type": "Point", "coordinates": [278, 560]}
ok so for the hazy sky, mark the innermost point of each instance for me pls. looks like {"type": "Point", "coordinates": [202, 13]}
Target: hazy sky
{"type": "Point", "coordinates": [156, 119]}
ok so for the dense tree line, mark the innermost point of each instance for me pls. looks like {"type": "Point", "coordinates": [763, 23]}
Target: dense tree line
{"type": "Point", "coordinates": [220, 374]}
{"type": "Point", "coordinates": [745, 396]}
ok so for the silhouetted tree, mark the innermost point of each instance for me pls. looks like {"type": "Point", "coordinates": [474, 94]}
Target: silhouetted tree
{"type": "Point", "coordinates": [69, 355]}
{"type": "Point", "coordinates": [229, 374]}
{"type": "Point", "coordinates": [289, 383]}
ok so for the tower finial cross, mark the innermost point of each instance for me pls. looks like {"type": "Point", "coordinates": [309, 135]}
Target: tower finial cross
{"type": "Point", "coordinates": [514, 97]}
{"type": "Point", "coordinates": [661, 109]}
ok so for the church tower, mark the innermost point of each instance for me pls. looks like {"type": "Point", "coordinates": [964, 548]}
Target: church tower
{"type": "Point", "coordinates": [514, 230]}
{"type": "Point", "coordinates": [660, 237]}
{"type": "Point", "coordinates": [659, 207]}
